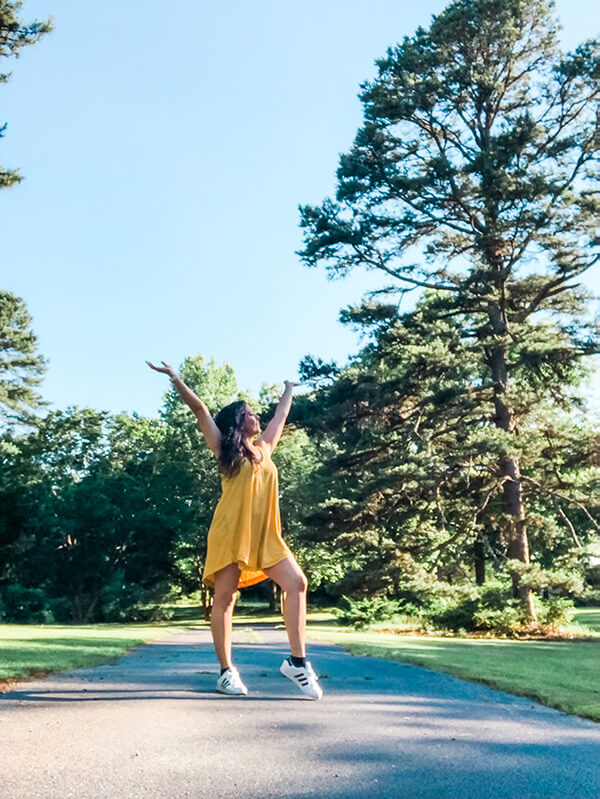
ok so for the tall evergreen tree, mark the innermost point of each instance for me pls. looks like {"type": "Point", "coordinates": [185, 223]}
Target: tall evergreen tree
{"type": "Point", "coordinates": [21, 367]}
{"type": "Point", "coordinates": [411, 479]}
{"type": "Point", "coordinates": [480, 148]}
{"type": "Point", "coordinates": [14, 35]}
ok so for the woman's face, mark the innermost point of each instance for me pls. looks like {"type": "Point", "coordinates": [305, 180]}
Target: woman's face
{"type": "Point", "coordinates": [251, 425]}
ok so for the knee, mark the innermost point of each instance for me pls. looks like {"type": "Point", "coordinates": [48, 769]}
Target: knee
{"type": "Point", "coordinates": [299, 584]}
{"type": "Point", "coordinates": [223, 602]}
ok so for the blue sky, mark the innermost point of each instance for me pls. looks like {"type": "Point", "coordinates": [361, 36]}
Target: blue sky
{"type": "Point", "coordinates": [166, 147]}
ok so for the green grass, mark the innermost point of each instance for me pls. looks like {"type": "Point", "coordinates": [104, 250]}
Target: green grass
{"type": "Point", "coordinates": [588, 617]}
{"type": "Point", "coordinates": [31, 650]}
{"type": "Point", "coordinates": [561, 674]}
{"type": "Point", "coordinates": [28, 650]}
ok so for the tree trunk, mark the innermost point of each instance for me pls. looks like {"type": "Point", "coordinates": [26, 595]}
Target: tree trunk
{"type": "Point", "coordinates": [518, 543]}
{"type": "Point", "coordinates": [273, 589]}
{"type": "Point", "coordinates": [479, 558]}
{"type": "Point", "coordinates": [512, 495]}
{"type": "Point", "coordinates": [88, 618]}
{"type": "Point", "coordinates": [76, 614]}
{"type": "Point", "coordinates": [81, 606]}
{"type": "Point", "coordinates": [206, 598]}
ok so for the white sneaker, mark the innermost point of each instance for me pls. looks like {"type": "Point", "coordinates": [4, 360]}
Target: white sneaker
{"type": "Point", "coordinates": [304, 677]}
{"type": "Point", "coordinates": [231, 683]}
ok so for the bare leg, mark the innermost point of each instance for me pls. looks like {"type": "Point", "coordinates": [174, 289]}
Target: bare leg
{"type": "Point", "coordinates": [290, 578]}
{"type": "Point", "coordinates": [226, 583]}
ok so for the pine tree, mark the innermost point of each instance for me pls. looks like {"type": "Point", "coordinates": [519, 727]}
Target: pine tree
{"type": "Point", "coordinates": [480, 148]}
{"type": "Point", "coordinates": [21, 367]}
{"type": "Point", "coordinates": [14, 35]}
{"type": "Point", "coordinates": [411, 480]}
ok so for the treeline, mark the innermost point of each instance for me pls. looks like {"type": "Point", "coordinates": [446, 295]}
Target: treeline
{"type": "Point", "coordinates": [104, 516]}
{"type": "Point", "coordinates": [389, 489]}
{"type": "Point", "coordinates": [450, 470]}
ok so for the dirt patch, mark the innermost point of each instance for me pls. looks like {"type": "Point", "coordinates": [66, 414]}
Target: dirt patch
{"type": "Point", "coordinates": [532, 634]}
{"type": "Point", "coordinates": [34, 674]}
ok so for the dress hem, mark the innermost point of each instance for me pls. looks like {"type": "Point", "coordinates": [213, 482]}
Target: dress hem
{"type": "Point", "coordinates": [245, 567]}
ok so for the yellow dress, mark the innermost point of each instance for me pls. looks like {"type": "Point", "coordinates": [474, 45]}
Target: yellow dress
{"type": "Point", "coordinates": [246, 526]}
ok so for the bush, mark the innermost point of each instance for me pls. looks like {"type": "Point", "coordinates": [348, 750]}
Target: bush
{"type": "Point", "coordinates": [24, 605]}
{"type": "Point", "coordinates": [506, 620]}
{"type": "Point", "coordinates": [125, 602]}
{"type": "Point", "coordinates": [488, 608]}
{"type": "Point", "coordinates": [60, 611]}
{"type": "Point", "coordinates": [555, 611]}
{"type": "Point", "coordinates": [432, 598]}
{"type": "Point", "coordinates": [485, 609]}
{"type": "Point", "coordinates": [592, 576]}
{"type": "Point", "coordinates": [589, 599]}
{"type": "Point", "coordinates": [361, 612]}
{"type": "Point", "coordinates": [459, 617]}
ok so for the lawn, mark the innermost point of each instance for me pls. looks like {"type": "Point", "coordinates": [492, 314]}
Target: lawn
{"type": "Point", "coordinates": [28, 650]}
{"type": "Point", "coordinates": [588, 617]}
{"type": "Point", "coordinates": [564, 674]}
{"type": "Point", "coordinates": [32, 650]}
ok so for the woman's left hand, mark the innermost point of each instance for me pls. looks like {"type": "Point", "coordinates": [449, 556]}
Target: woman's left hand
{"type": "Point", "coordinates": [290, 383]}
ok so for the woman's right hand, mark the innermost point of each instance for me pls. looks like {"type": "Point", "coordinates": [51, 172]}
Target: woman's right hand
{"type": "Point", "coordinates": [165, 368]}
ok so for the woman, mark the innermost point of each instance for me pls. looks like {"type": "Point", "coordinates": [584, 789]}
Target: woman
{"type": "Point", "coordinates": [244, 541]}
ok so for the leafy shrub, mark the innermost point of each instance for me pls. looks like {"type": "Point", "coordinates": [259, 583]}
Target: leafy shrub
{"type": "Point", "coordinates": [505, 621]}
{"type": "Point", "coordinates": [361, 612]}
{"type": "Point", "coordinates": [60, 611]}
{"type": "Point", "coordinates": [593, 576]}
{"type": "Point", "coordinates": [24, 605]}
{"type": "Point", "coordinates": [487, 608]}
{"type": "Point", "coordinates": [555, 611]}
{"type": "Point", "coordinates": [459, 617]}
{"type": "Point", "coordinates": [125, 602]}
{"type": "Point", "coordinates": [161, 613]}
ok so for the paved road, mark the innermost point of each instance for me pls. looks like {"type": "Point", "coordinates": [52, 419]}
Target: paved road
{"type": "Point", "coordinates": [151, 726]}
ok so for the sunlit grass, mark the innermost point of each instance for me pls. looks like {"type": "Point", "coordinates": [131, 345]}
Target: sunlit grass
{"type": "Point", "coordinates": [562, 674]}
{"type": "Point", "coordinates": [588, 617]}
{"type": "Point", "coordinates": [29, 649]}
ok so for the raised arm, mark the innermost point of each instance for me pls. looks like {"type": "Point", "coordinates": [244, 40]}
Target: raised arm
{"type": "Point", "coordinates": [206, 423]}
{"type": "Point", "coordinates": [274, 429]}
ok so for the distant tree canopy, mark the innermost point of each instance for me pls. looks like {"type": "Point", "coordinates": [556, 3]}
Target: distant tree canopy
{"type": "Point", "coordinates": [476, 175]}
{"type": "Point", "coordinates": [103, 517]}
{"type": "Point", "coordinates": [14, 35]}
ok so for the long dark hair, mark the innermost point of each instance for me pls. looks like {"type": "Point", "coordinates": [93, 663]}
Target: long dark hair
{"type": "Point", "coordinates": [230, 421]}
